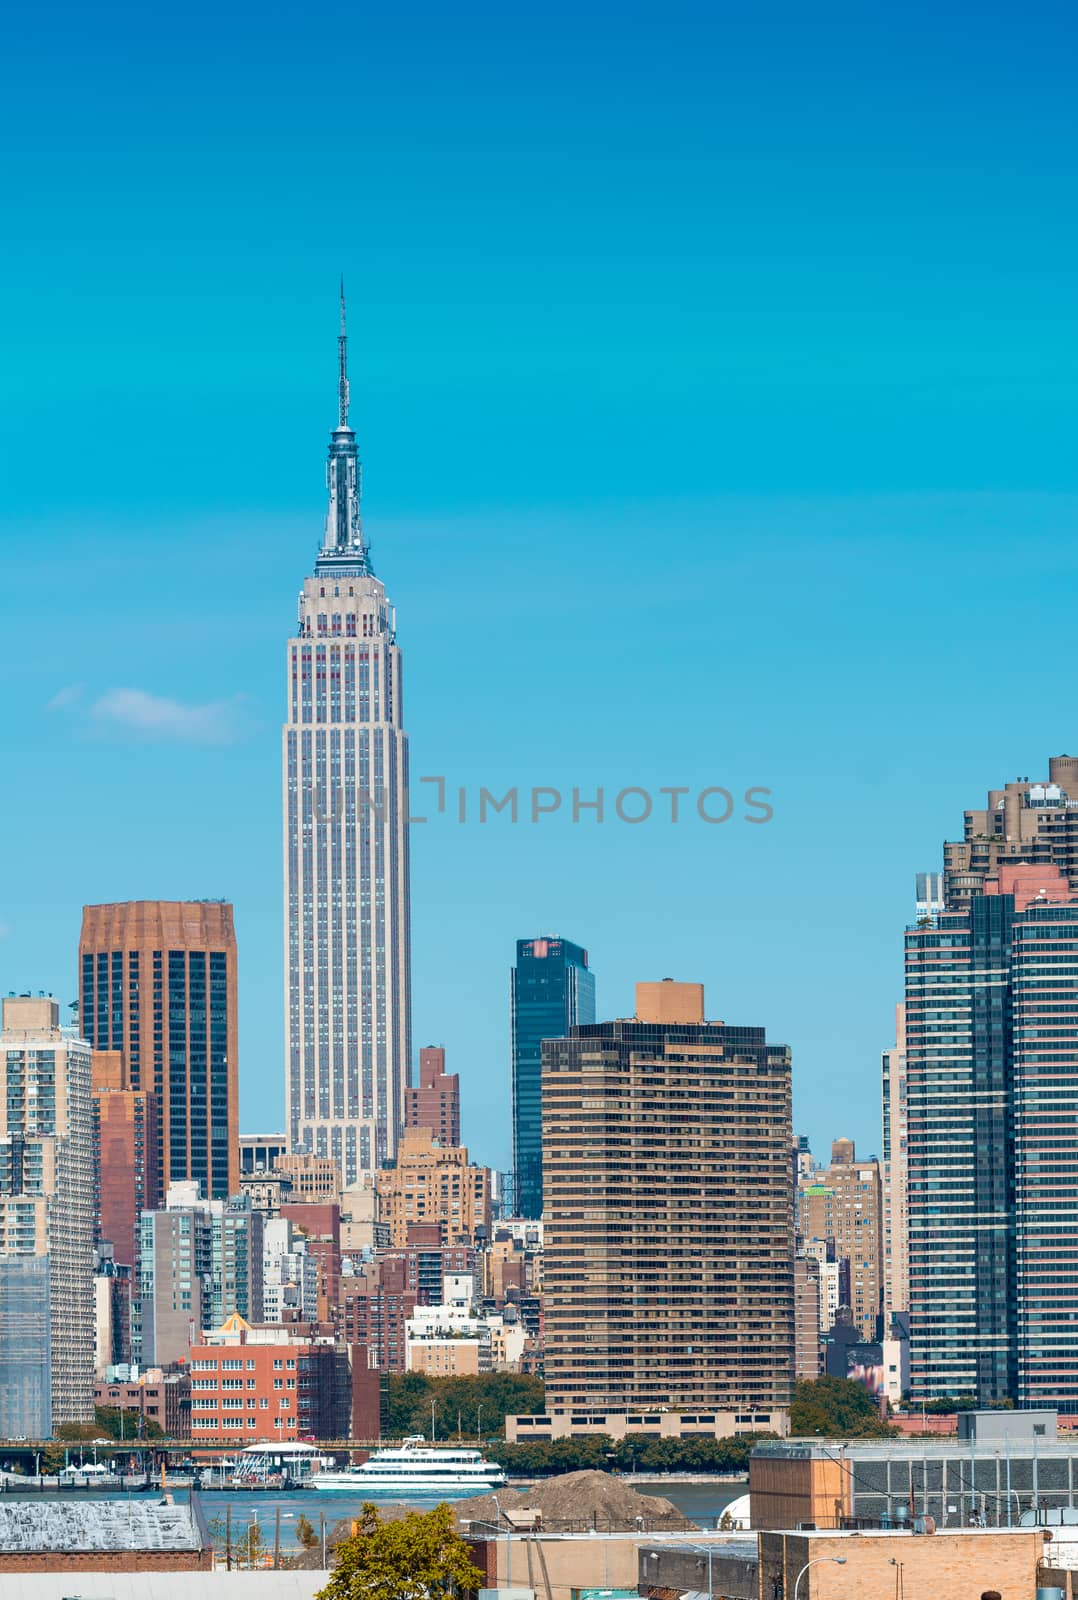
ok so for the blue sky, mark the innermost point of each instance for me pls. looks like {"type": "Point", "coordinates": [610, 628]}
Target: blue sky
{"type": "Point", "coordinates": [715, 376]}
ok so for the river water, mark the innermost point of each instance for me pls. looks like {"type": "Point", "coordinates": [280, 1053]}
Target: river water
{"type": "Point", "coordinates": [702, 1500]}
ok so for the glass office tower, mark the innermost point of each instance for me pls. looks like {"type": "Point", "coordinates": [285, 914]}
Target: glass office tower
{"type": "Point", "coordinates": [551, 989]}
{"type": "Point", "coordinates": [992, 1082]}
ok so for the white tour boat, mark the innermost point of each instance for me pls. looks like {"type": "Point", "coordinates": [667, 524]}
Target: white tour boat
{"type": "Point", "coordinates": [416, 1469]}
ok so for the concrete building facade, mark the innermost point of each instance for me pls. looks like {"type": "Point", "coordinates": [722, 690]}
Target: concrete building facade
{"type": "Point", "coordinates": [668, 1266]}
{"type": "Point", "coordinates": [894, 1175]}
{"type": "Point", "coordinates": [46, 1201]}
{"type": "Point", "coordinates": [200, 1262]}
{"type": "Point", "coordinates": [158, 983]}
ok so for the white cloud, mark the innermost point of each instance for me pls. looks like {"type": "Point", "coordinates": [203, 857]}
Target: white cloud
{"type": "Point", "coordinates": [154, 716]}
{"type": "Point", "coordinates": [66, 696]}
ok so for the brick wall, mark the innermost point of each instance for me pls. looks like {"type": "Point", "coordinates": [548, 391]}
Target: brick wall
{"type": "Point", "coordinates": [950, 1565]}
{"type": "Point", "coordinates": [107, 1561]}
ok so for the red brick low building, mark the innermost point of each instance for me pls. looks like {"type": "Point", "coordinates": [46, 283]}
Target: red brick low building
{"type": "Point", "coordinates": [251, 1384]}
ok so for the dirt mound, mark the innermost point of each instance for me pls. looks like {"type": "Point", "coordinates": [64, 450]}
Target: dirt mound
{"type": "Point", "coordinates": [596, 1498]}
{"type": "Point", "coordinates": [583, 1499]}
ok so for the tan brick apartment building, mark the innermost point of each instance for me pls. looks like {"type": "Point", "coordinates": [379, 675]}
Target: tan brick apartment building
{"type": "Point", "coordinates": [668, 1270]}
{"type": "Point", "coordinates": [433, 1184]}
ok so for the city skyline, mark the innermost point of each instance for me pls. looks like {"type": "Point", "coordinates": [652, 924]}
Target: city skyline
{"type": "Point", "coordinates": [631, 388]}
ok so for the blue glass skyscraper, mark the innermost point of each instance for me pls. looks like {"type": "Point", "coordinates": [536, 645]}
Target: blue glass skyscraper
{"type": "Point", "coordinates": [552, 989]}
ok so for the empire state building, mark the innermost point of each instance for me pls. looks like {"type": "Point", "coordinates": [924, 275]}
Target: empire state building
{"type": "Point", "coordinates": [347, 910]}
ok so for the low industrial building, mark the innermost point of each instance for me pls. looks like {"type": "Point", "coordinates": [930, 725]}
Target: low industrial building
{"type": "Point", "coordinates": [957, 1564]}
{"type": "Point", "coordinates": [562, 1566]}
{"type": "Point", "coordinates": [46, 1536]}
{"type": "Point", "coordinates": [1004, 1466]}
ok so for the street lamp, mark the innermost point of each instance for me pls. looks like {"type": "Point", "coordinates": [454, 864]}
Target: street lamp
{"type": "Point", "coordinates": [837, 1561]}
{"type": "Point", "coordinates": [479, 1426]}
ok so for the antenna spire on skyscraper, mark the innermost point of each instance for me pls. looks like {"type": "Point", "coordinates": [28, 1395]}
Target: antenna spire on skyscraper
{"type": "Point", "coordinates": [342, 362]}
{"type": "Point", "coordinates": [343, 539]}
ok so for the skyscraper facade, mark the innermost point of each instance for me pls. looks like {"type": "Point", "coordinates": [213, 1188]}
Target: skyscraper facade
{"type": "Point", "coordinates": [991, 1043]}
{"type": "Point", "coordinates": [668, 1277]}
{"type": "Point", "coordinates": [158, 983]}
{"type": "Point", "coordinates": [896, 1248]}
{"type": "Point", "coordinates": [347, 907]}
{"type": "Point", "coordinates": [46, 1208]}
{"type": "Point", "coordinates": [552, 989]}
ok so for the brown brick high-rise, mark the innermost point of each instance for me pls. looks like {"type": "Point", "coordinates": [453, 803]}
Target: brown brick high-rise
{"type": "Point", "coordinates": [126, 1167]}
{"type": "Point", "coordinates": [434, 1102]}
{"type": "Point", "coordinates": [668, 1198]}
{"type": "Point", "coordinates": [157, 981]}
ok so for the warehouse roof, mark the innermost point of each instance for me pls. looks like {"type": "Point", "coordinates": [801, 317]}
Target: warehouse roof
{"type": "Point", "coordinates": [97, 1525]}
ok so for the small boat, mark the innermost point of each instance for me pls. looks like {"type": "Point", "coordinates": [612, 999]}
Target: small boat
{"type": "Point", "coordinates": [415, 1468]}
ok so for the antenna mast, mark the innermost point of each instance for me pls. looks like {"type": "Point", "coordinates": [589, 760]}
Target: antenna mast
{"type": "Point", "coordinates": [342, 364]}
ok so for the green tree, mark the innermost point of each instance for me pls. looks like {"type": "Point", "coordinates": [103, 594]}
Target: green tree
{"type": "Point", "coordinates": [468, 1404]}
{"type": "Point", "coordinates": [836, 1408]}
{"type": "Point", "coordinates": [418, 1557]}
{"type": "Point", "coordinates": [305, 1532]}
{"type": "Point", "coordinates": [636, 1452]}
{"type": "Point", "coordinates": [124, 1424]}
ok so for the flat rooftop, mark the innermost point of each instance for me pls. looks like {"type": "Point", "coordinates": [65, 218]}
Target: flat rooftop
{"type": "Point", "coordinates": [95, 1525]}
{"type": "Point", "coordinates": [908, 1448]}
